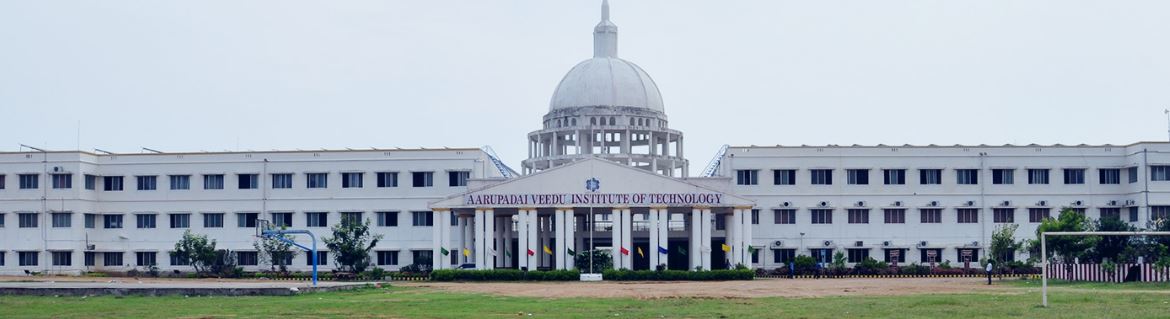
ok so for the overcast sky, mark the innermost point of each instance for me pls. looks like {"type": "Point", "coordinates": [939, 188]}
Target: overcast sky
{"type": "Point", "coordinates": [262, 75]}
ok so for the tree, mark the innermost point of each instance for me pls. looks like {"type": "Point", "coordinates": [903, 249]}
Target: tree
{"type": "Point", "coordinates": [1066, 248]}
{"type": "Point", "coordinates": [197, 251]}
{"type": "Point", "coordinates": [274, 252]}
{"type": "Point", "coordinates": [601, 260]}
{"type": "Point", "coordinates": [1109, 248]}
{"type": "Point", "coordinates": [349, 245]}
{"type": "Point", "coordinates": [1003, 243]}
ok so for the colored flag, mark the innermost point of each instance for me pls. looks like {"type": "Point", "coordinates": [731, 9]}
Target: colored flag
{"type": "Point", "coordinates": [547, 251]}
{"type": "Point", "coordinates": [751, 249]}
{"type": "Point", "coordinates": [726, 248]}
{"type": "Point", "coordinates": [508, 253]}
{"type": "Point", "coordinates": [682, 250]}
{"type": "Point", "coordinates": [640, 252]}
{"type": "Point", "coordinates": [625, 251]}
{"type": "Point", "coordinates": [570, 251]}
{"type": "Point", "coordinates": [466, 252]}
{"type": "Point", "coordinates": [663, 251]}
{"type": "Point", "coordinates": [531, 253]}
{"type": "Point", "coordinates": [444, 251]}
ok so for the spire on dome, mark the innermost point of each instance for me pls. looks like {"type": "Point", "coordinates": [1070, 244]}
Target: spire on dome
{"type": "Point", "coordinates": [605, 35]}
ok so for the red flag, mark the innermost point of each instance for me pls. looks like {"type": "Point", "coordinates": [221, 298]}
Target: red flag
{"type": "Point", "coordinates": [625, 251]}
{"type": "Point", "coordinates": [531, 253]}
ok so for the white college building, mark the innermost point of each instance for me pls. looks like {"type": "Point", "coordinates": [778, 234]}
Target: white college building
{"type": "Point", "coordinates": [604, 171]}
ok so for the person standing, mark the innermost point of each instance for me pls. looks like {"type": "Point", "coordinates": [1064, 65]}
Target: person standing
{"type": "Point", "coordinates": [989, 272]}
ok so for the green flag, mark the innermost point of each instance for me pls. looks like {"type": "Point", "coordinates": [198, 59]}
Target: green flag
{"type": "Point", "coordinates": [571, 252]}
{"type": "Point", "coordinates": [444, 251]}
{"type": "Point", "coordinates": [508, 253]}
{"type": "Point", "coordinates": [751, 249]}
{"type": "Point", "coordinates": [682, 250]}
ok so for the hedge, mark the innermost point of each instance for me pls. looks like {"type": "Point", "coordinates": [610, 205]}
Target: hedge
{"type": "Point", "coordinates": [720, 274]}
{"type": "Point", "coordinates": [504, 275]}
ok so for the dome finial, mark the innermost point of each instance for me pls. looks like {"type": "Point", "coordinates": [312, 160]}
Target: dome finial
{"type": "Point", "coordinates": [605, 35]}
{"type": "Point", "coordinates": [604, 10]}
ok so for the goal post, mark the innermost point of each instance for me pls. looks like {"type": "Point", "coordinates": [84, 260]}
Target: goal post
{"type": "Point", "coordinates": [1044, 251]}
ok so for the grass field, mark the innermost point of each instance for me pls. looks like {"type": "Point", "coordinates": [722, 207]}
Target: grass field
{"type": "Point", "coordinates": [1015, 299]}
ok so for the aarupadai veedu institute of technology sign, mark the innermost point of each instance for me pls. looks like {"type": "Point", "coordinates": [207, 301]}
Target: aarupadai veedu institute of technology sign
{"type": "Point", "coordinates": [631, 199]}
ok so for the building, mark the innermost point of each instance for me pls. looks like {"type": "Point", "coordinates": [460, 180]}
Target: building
{"type": "Point", "coordinates": [604, 171]}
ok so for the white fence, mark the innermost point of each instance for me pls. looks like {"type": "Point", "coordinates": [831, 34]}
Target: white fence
{"type": "Point", "coordinates": [1094, 272]}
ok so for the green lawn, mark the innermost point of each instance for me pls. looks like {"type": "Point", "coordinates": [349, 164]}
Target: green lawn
{"type": "Point", "coordinates": [1018, 299]}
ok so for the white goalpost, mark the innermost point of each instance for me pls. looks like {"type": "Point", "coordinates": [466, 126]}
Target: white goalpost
{"type": "Point", "coordinates": [1044, 251]}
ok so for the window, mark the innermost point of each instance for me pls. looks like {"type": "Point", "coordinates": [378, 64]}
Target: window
{"type": "Point", "coordinates": [112, 183]}
{"type": "Point", "coordinates": [387, 179]}
{"type": "Point", "coordinates": [147, 183]}
{"type": "Point", "coordinates": [930, 176]}
{"type": "Point", "coordinates": [179, 259]}
{"type": "Point", "coordinates": [247, 220]}
{"type": "Point", "coordinates": [930, 255]}
{"type": "Point", "coordinates": [351, 217]}
{"type": "Point", "coordinates": [1036, 215]}
{"type": "Point", "coordinates": [388, 258]}
{"type": "Point", "coordinates": [90, 258]}
{"type": "Point", "coordinates": [755, 254]}
{"type": "Point", "coordinates": [857, 255]}
{"type": "Point", "coordinates": [317, 219]}
{"type": "Point", "coordinates": [247, 258]}
{"type": "Point", "coordinates": [26, 220]}
{"type": "Point", "coordinates": [213, 181]}
{"type": "Point", "coordinates": [282, 181]}
{"type": "Point", "coordinates": [894, 176]}
{"type": "Point", "coordinates": [62, 220]}
{"type": "Point", "coordinates": [282, 220]}
{"type": "Point", "coordinates": [968, 215]}
{"type": "Point", "coordinates": [784, 216]}
{"type": "Point", "coordinates": [1110, 176]}
{"type": "Point", "coordinates": [1074, 176]}
{"type": "Point", "coordinates": [1078, 210]}
{"type": "Point", "coordinates": [112, 221]}
{"type": "Point", "coordinates": [387, 219]}
{"type": "Point", "coordinates": [29, 181]}
{"type": "Point", "coordinates": [857, 176]}
{"type": "Point", "coordinates": [783, 256]}
{"type": "Point", "coordinates": [2, 181]}
{"type": "Point", "coordinates": [746, 177]}
{"type": "Point", "coordinates": [822, 216]}
{"type": "Point", "coordinates": [784, 177]}
{"type": "Point", "coordinates": [822, 255]}
{"type": "Point", "coordinates": [62, 258]}
{"type": "Point", "coordinates": [720, 223]}
{"type": "Point", "coordinates": [317, 180]}
{"type": "Point", "coordinates": [351, 180]}
{"type": "Point", "coordinates": [821, 176]}
{"type": "Point", "coordinates": [213, 220]}
{"type": "Point", "coordinates": [180, 182]}
{"type": "Point", "coordinates": [248, 181]}
{"type": "Point", "coordinates": [859, 216]}
{"type": "Point", "coordinates": [1111, 212]}
{"type": "Point", "coordinates": [147, 220]}
{"type": "Point", "coordinates": [1157, 173]}
{"type": "Point", "coordinates": [322, 258]}
{"type": "Point", "coordinates": [1159, 212]}
{"type": "Point", "coordinates": [458, 179]}
{"type": "Point", "coordinates": [62, 181]}
{"type": "Point", "coordinates": [931, 215]}
{"type": "Point", "coordinates": [28, 258]}
{"type": "Point", "coordinates": [1133, 174]}
{"type": "Point", "coordinates": [1007, 256]}
{"type": "Point", "coordinates": [1037, 176]}
{"type": "Point", "coordinates": [1003, 176]}
{"type": "Point", "coordinates": [146, 258]}
{"type": "Point", "coordinates": [90, 182]}
{"type": "Point", "coordinates": [1003, 215]}
{"type": "Point", "coordinates": [90, 221]}
{"type": "Point", "coordinates": [1, 258]}
{"type": "Point", "coordinates": [181, 220]}
{"type": "Point", "coordinates": [422, 179]}
{"type": "Point", "coordinates": [422, 218]}
{"type": "Point", "coordinates": [967, 176]}
{"type": "Point", "coordinates": [896, 255]}
{"type": "Point", "coordinates": [1, 220]}
{"type": "Point", "coordinates": [421, 256]}
{"type": "Point", "coordinates": [1133, 215]}
{"type": "Point", "coordinates": [895, 215]}
{"type": "Point", "coordinates": [112, 259]}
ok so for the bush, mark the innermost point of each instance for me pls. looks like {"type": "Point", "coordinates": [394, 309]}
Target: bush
{"type": "Point", "coordinates": [504, 275]}
{"type": "Point", "coordinates": [626, 275]}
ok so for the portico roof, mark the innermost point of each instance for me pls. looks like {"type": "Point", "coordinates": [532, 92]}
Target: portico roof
{"type": "Point", "coordinates": [593, 182]}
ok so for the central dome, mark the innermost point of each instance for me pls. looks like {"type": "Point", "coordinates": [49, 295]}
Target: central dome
{"type": "Point", "coordinates": [607, 81]}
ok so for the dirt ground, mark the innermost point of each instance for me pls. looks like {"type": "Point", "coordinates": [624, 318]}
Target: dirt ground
{"type": "Point", "coordinates": [722, 289]}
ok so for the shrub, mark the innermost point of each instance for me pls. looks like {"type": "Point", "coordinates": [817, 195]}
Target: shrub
{"type": "Point", "coordinates": [504, 275]}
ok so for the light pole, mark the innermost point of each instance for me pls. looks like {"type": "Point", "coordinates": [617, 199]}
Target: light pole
{"type": "Point", "coordinates": [1167, 111]}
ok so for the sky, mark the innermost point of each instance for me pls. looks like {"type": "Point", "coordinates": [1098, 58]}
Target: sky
{"type": "Point", "coordinates": [263, 75]}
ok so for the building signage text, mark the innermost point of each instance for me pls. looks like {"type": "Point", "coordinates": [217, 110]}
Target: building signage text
{"type": "Point", "coordinates": [668, 199]}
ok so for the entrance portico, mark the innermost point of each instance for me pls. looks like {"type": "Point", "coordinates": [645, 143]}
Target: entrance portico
{"type": "Point", "coordinates": [542, 221]}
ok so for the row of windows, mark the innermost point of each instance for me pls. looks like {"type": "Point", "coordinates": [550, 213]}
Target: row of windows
{"type": "Point", "coordinates": [963, 176]}
{"type": "Point", "coordinates": [216, 220]}
{"type": "Point", "coordinates": [634, 121]}
{"type": "Point", "coordinates": [890, 255]}
{"type": "Point", "coordinates": [243, 181]}
{"type": "Point", "coordinates": [150, 258]}
{"type": "Point", "coordinates": [962, 215]}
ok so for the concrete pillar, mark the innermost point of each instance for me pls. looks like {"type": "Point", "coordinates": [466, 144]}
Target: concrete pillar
{"type": "Point", "coordinates": [663, 236]}
{"type": "Point", "coordinates": [729, 225]}
{"type": "Point", "coordinates": [440, 237]}
{"type": "Point", "coordinates": [627, 237]}
{"type": "Point", "coordinates": [533, 242]}
{"type": "Point", "coordinates": [653, 239]}
{"type": "Point", "coordinates": [570, 239]}
{"type": "Point", "coordinates": [705, 239]}
{"type": "Point", "coordinates": [618, 257]}
{"type": "Point", "coordinates": [745, 236]}
{"type": "Point", "coordinates": [522, 238]}
{"type": "Point", "coordinates": [489, 239]}
{"type": "Point", "coordinates": [695, 252]}
{"type": "Point", "coordinates": [477, 251]}
{"type": "Point", "coordinates": [559, 250]}
{"type": "Point", "coordinates": [465, 241]}
{"type": "Point", "coordinates": [508, 248]}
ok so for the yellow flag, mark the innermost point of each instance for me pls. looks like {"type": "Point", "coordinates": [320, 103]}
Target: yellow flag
{"type": "Point", "coordinates": [640, 253]}
{"type": "Point", "coordinates": [726, 248]}
{"type": "Point", "coordinates": [547, 251]}
{"type": "Point", "coordinates": [466, 252]}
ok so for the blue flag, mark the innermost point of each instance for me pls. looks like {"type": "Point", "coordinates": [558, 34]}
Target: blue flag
{"type": "Point", "coordinates": [663, 250]}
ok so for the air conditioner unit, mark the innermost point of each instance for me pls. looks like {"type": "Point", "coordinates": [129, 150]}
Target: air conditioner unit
{"type": "Point", "coordinates": [57, 169]}
{"type": "Point", "coordinates": [922, 243]}
{"type": "Point", "coordinates": [1112, 203]}
{"type": "Point", "coordinates": [777, 244]}
{"type": "Point", "coordinates": [974, 243]}
{"type": "Point", "coordinates": [828, 243]}
{"type": "Point", "coordinates": [886, 243]}
{"type": "Point", "coordinates": [933, 203]}
{"type": "Point", "coordinates": [786, 204]}
{"type": "Point", "coordinates": [1006, 203]}
{"type": "Point", "coordinates": [1129, 202]}
{"type": "Point", "coordinates": [1078, 203]}
{"type": "Point", "coordinates": [860, 203]}
{"type": "Point", "coordinates": [897, 203]}
{"type": "Point", "coordinates": [1042, 203]}
{"type": "Point", "coordinates": [858, 243]}
{"type": "Point", "coordinates": [823, 204]}
{"type": "Point", "coordinates": [970, 203]}
{"type": "Point", "coordinates": [90, 247]}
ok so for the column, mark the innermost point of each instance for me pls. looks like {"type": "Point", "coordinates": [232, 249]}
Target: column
{"type": "Point", "coordinates": [653, 239]}
{"type": "Point", "coordinates": [627, 237]}
{"type": "Point", "coordinates": [695, 252]}
{"type": "Point", "coordinates": [559, 250]}
{"type": "Point", "coordinates": [465, 241]}
{"type": "Point", "coordinates": [729, 225]}
{"type": "Point", "coordinates": [522, 238]}
{"type": "Point", "coordinates": [663, 236]}
{"type": "Point", "coordinates": [545, 240]}
{"type": "Point", "coordinates": [705, 240]}
{"type": "Point", "coordinates": [499, 242]}
{"type": "Point", "coordinates": [736, 242]}
{"type": "Point", "coordinates": [570, 233]}
{"type": "Point", "coordinates": [533, 231]}
{"type": "Point", "coordinates": [745, 237]}
{"type": "Point", "coordinates": [489, 238]}
{"type": "Point", "coordinates": [508, 247]}
{"type": "Point", "coordinates": [477, 250]}
{"type": "Point", "coordinates": [618, 257]}
{"type": "Point", "coordinates": [439, 232]}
